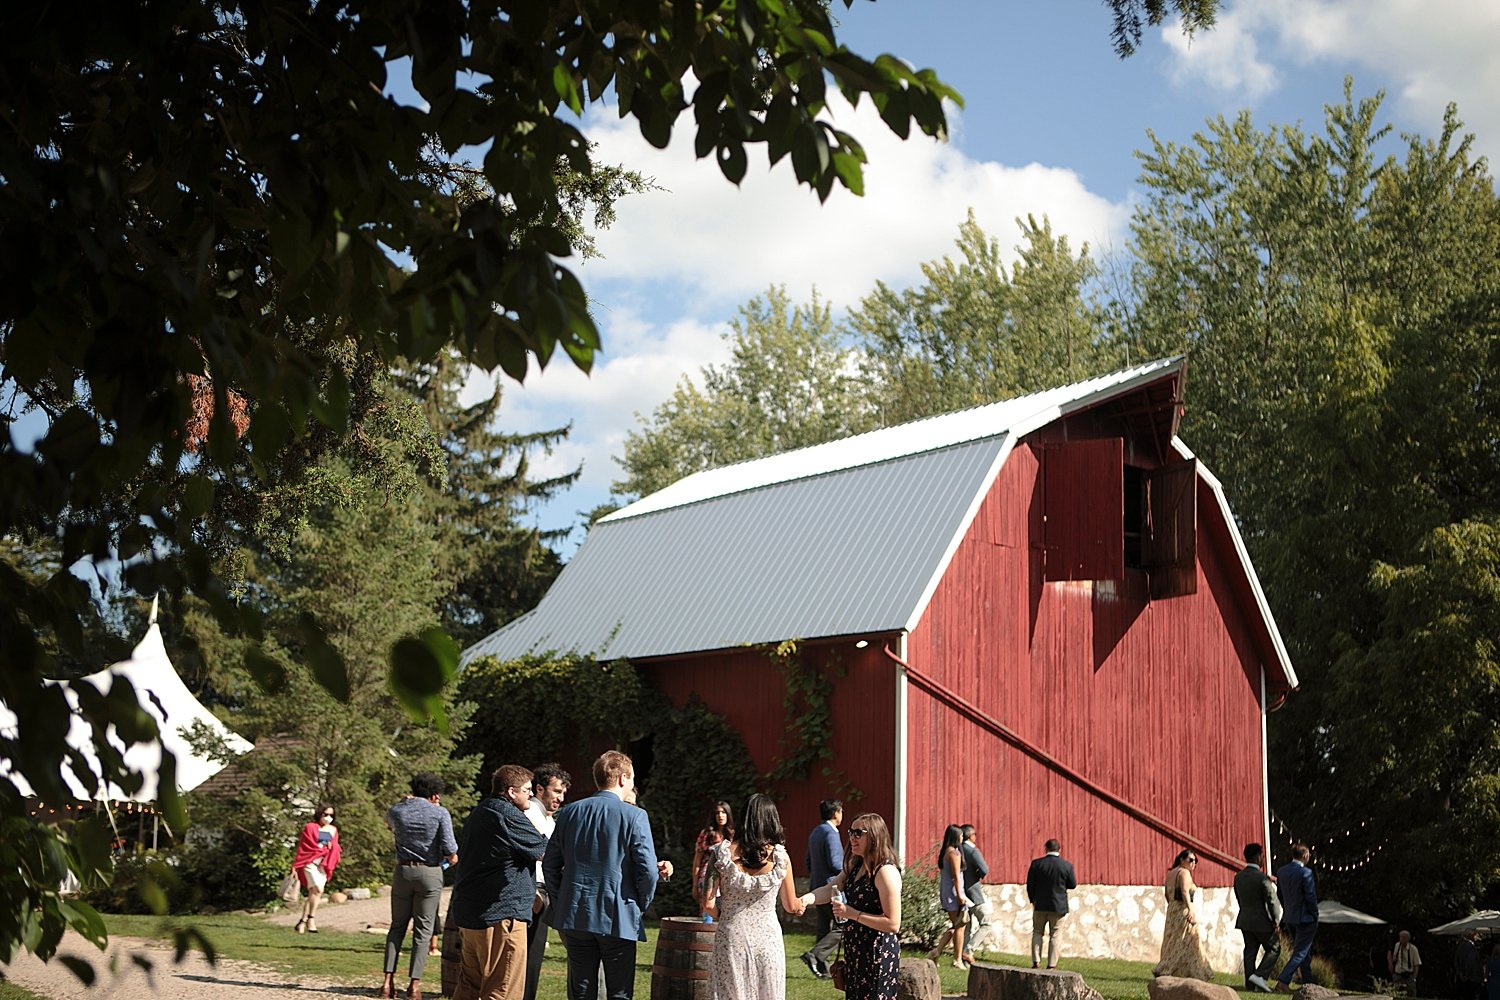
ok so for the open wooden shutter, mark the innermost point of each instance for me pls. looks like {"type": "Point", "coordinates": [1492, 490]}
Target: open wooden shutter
{"type": "Point", "coordinates": [1084, 503]}
{"type": "Point", "coordinates": [1170, 548]}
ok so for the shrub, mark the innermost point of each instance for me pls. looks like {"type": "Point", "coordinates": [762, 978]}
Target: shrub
{"type": "Point", "coordinates": [922, 916]}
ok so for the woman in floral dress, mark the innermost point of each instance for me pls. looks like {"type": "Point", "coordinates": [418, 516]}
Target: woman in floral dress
{"type": "Point", "coordinates": [870, 911]}
{"type": "Point", "coordinates": [749, 960]}
{"type": "Point", "coordinates": [1181, 947]}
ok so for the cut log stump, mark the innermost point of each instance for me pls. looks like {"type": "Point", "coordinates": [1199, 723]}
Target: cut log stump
{"type": "Point", "coordinates": [1008, 982]}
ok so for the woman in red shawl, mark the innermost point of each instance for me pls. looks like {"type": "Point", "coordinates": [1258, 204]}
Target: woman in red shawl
{"type": "Point", "coordinates": [317, 856]}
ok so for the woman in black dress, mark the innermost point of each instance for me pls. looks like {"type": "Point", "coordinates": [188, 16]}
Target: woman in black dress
{"type": "Point", "coordinates": [870, 910]}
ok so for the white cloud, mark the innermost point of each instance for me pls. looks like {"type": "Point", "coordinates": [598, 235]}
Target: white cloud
{"type": "Point", "coordinates": [1226, 57]}
{"type": "Point", "coordinates": [678, 262]}
{"type": "Point", "coordinates": [1425, 53]}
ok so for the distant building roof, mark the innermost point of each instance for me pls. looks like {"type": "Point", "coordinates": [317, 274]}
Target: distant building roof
{"type": "Point", "coordinates": [844, 538]}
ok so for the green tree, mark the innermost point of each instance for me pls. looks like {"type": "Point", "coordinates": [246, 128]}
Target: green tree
{"type": "Point", "coordinates": [976, 332]}
{"type": "Point", "coordinates": [1339, 310]}
{"type": "Point", "coordinates": [495, 568]}
{"type": "Point", "coordinates": [789, 383]}
{"type": "Point", "coordinates": [201, 200]}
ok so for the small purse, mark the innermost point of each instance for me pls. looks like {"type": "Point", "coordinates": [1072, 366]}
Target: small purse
{"type": "Point", "coordinates": [838, 969]}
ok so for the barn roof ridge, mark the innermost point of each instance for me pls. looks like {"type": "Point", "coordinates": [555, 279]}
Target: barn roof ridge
{"type": "Point", "coordinates": [973, 423]}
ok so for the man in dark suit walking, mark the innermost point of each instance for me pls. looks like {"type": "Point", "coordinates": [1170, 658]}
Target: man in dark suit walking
{"type": "Point", "coordinates": [1299, 915]}
{"type": "Point", "coordinates": [1260, 912]}
{"type": "Point", "coordinates": [825, 859]}
{"type": "Point", "coordinates": [601, 871]}
{"type": "Point", "coordinates": [1047, 885]}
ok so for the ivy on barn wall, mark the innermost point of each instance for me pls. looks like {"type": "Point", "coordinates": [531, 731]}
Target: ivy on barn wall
{"type": "Point", "coordinates": [807, 692]}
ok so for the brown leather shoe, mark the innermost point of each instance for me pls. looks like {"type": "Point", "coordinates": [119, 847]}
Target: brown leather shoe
{"type": "Point", "coordinates": [415, 992]}
{"type": "Point", "coordinates": [387, 988]}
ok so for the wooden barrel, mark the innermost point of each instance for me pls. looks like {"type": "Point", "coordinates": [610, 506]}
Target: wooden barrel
{"type": "Point", "coordinates": [453, 953]}
{"type": "Point", "coordinates": [680, 971]}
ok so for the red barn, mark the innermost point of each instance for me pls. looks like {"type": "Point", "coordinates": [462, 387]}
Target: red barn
{"type": "Point", "coordinates": [1038, 617]}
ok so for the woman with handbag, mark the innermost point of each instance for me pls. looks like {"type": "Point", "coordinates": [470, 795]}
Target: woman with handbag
{"type": "Point", "coordinates": [317, 855]}
{"type": "Point", "coordinates": [866, 898]}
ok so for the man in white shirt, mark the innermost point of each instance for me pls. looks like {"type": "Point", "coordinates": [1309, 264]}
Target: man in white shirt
{"type": "Point", "coordinates": [549, 786]}
{"type": "Point", "coordinates": [1406, 962]}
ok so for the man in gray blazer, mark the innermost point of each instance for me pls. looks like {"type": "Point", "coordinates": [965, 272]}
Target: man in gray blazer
{"type": "Point", "coordinates": [1047, 884]}
{"type": "Point", "coordinates": [1260, 912]}
{"type": "Point", "coordinates": [601, 871]}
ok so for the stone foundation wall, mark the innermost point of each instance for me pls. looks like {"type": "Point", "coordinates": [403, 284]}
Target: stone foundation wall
{"type": "Point", "coordinates": [1116, 921]}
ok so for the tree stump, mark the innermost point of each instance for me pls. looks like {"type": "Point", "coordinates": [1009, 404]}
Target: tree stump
{"type": "Point", "coordinates": [918, 980]}
{"type": "Point", "coordinates": [1175, 988]}
{"type": "Point", "coordinates": [1006, 982]}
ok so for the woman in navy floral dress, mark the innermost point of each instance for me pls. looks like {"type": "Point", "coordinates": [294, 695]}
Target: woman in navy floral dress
{"type": "Point", "coordinates": [871, 910]}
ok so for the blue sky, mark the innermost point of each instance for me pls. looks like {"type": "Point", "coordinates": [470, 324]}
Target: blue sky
{"type": "Point", "coordinates": [1050, 124]}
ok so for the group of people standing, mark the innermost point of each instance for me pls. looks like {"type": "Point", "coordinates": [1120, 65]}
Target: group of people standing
{"type": "Point", "coordinates": [1268, 905]}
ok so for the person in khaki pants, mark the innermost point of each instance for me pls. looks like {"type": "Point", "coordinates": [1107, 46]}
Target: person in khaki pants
{"type": "Point", "coordinates": [1047, 885]}
{"type": "Point", "coordinates": [495, 889]}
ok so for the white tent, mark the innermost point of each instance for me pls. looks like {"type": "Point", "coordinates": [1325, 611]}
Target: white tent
{"type": "Point", "coordinates": [163, 695]}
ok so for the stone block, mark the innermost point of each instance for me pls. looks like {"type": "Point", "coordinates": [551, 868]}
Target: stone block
{"type": "Point", "coordinates": [1176, 988]}
{"type": "Point", "coordinates": [918, 979]}
{"type": "Point", "coordinates": [359, 892]}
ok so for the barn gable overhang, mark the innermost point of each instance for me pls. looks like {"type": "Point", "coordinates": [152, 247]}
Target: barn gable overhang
{"type": "Point", "coordinates": [1217, 522]}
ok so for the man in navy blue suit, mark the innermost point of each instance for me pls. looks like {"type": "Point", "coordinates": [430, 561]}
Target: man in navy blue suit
{"type": "Point", "coordinates": [601, 871]}
{"type": "Point", "coordinates": [1299, 915]}
{"type": "Point", "coordinates": [825, 859]}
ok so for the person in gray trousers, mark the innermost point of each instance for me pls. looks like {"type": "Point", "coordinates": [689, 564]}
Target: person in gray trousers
{"type": "Point", "coordinates": [424, 847]}
{"type": "Point", "coordinates": [1260, 912]}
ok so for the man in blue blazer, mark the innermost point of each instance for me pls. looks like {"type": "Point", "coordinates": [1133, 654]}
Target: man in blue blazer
{"type": "Point", "coordinates": [601, 873]}
{"type": "Point", "coordinates": [825, 860]}
{"type": "Point", "coordinates": [1299, 915]}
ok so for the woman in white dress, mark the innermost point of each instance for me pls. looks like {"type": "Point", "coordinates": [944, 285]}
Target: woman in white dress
{"type": "Point", "coordinates": [749, 959]}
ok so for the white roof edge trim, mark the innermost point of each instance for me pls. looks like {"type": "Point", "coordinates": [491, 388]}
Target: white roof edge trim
{"type": "Point", "coordinates": [909, 441]}
{"type": "Point", "coordinates": [965, 523]}
{"type": "Point", "coordinates": [1212, 481]}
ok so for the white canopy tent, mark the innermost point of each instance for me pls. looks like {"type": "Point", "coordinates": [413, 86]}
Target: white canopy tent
{"type": "Point", "coordinates": [1483, 920]}
{"type": "Point", "coordinates": [1331, 911]}
{"type": "Point", "coordinates": [163, 695]}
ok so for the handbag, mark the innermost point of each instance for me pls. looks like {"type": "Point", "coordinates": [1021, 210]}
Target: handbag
{"type": "Point", "coordinates": [838, 970]}
{"type": "Point", "coordinates": [291, 889]}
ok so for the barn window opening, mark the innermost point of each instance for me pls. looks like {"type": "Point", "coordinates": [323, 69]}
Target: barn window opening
{"type": "Point", "coordinates": [1135, 517]}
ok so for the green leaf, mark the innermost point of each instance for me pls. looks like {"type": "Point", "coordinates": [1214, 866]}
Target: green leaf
{"type": "Point", "coordinates": [267, 671]}
{"type": "Point", "coordinates": [197, 495]}
{"type": "Point", "coordinates": [326, 662]}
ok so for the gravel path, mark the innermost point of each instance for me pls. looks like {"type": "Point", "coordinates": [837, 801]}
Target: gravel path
{"type": "Point", "coordinates": [194, 978]}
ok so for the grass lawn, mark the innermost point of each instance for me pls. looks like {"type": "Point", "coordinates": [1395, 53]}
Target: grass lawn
{"type": "Point", "coordinates": [355, 959]}
{"type": "Point", "coordinates": [10, 991]}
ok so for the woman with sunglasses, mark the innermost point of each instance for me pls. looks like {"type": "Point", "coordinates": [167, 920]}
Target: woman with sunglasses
{"type": "Point", "coordinates": [317, 856]}
{"type": "Point", "coordinates": [1181, 947]}
{"type": "Point", "coordinates": [870, 910]}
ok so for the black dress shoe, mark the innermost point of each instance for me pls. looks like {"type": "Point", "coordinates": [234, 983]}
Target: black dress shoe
{"type": "Point", "coordinates": [811, 962]}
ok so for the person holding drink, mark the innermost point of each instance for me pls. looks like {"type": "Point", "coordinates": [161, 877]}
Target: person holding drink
{"type": "Point", "coordinates": [866, 897]}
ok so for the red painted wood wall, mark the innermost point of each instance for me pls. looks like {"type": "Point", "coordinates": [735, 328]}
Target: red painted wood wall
{"type": "Point", "coordinates": [1157, 701]}
{"type": "Point", "coordinates": [746, 688]}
